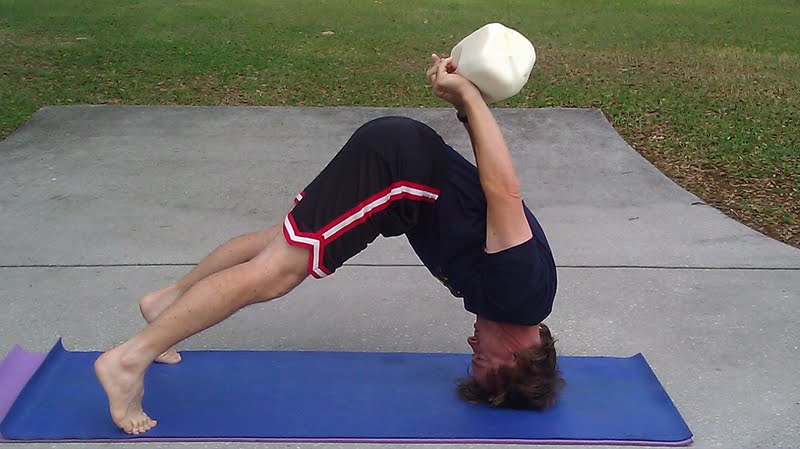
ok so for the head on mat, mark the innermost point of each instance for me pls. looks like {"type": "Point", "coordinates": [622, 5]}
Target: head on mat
{"type": "Point", "coordinates": [512, 366]}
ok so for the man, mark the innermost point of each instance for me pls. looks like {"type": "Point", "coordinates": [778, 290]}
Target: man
{"type": "Point", "coordinates": [394, 176]}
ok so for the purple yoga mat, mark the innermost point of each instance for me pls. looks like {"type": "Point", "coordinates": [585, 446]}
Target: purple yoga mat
{"type": "Point", "coordinates": [15, 370]}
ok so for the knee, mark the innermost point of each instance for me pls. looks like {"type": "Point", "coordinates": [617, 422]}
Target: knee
{"type": "Point", "coordinates": [263, 236]}
{"type": "Point", "coordinates": [274, 284]}
{"type": "Point", "coordinates": [277, 270]}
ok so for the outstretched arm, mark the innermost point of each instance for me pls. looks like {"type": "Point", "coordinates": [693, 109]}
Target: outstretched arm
{"type": "Point", "coordinates": [506, 224]}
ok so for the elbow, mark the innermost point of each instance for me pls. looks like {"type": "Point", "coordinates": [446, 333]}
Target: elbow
{"type": "Point", "coordinates": [514, 189]}
{"type": "Point", "coordinates": [505, 188]}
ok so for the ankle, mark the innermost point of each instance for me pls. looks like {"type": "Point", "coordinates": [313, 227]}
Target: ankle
{"type": "Point", "coordinates": [155, 299]}
{"type": "Point", "coordinates": [134, 360]}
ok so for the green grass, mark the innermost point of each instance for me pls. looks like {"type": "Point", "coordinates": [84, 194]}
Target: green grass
{"type": "Point", "coordinates": [709, 90]}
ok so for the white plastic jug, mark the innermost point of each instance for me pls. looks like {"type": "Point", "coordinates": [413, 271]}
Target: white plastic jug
{"type": "Point", "coordinates": [497, 59]}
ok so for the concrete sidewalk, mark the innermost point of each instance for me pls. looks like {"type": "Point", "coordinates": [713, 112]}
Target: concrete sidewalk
{"type": "Point", "coordinates": [101, 204]}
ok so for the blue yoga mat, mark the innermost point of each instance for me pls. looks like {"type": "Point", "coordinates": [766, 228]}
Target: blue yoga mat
{"type": "Point", "coordinates": [341, 396]}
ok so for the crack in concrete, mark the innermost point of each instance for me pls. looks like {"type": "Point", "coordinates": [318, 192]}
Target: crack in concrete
{"type": "Point", "coordinates": [614, 267]}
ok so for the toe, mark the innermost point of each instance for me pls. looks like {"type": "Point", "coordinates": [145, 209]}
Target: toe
{"type": "Point", "coordinates": [139, 425]}
{"type": "Point", "coordinates": [144, 420]}
{"type": "Point", "coordinates": [147, 423]}
{"type": "Point", "coordinates": [170, 356]}
{"type": "Point", "coordinates": [127, 426]}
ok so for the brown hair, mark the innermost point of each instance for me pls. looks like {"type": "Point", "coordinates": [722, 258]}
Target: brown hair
{"type": "Point", "coordinates": [532, 383]}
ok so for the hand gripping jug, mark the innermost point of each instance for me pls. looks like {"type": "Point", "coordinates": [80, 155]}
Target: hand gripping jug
{"type": "Point", "coordinates": [497, 59]}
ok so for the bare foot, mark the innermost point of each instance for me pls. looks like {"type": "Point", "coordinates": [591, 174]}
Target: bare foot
{"type": "Point", "coordinates": [151, 305]}
{"type": "Point", "coordinates": [124, 386]}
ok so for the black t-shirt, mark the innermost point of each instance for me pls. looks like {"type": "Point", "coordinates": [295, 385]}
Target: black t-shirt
{"type": "Point", "coordinates": [516, 285]}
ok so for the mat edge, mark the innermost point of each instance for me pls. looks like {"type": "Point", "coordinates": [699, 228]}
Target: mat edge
{"type": "Point", "coordinates": [666, 394]}
{"type": "Point", "coordinates": [374, 441]}
{"type": "Point", "coordinates": [33, 360]}
{"type": "Point", "coordinates": [59, 345]}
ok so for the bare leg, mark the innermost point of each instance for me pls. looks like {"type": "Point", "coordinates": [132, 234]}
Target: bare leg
{"type": "Point", "coordinates": [271, 274]}
{"type": "Point", "coordinates": [233, 252]}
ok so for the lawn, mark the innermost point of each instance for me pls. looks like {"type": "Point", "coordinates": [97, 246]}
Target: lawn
{"type": "Point", "coordinates": [708, 90]}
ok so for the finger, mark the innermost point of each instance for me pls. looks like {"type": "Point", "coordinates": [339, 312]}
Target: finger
{"type": "Point", "coordinates": [430, 71]}
{"type": "Point", "coordinates": [441, 70]}
{"type": "Point", "coordinates": [432, 79]}
{"type": "Point", "coordinates": [449, 65]}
